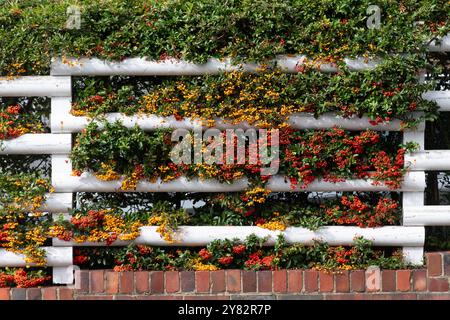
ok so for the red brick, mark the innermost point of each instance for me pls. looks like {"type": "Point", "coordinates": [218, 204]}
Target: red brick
{"type": "Point", "coordinates": [249, 281]}
{"type": "Point", "coordinates": [280, 281]}
{"type": "Point", "coordinates": [311, 277]}
{"type": "Point", "coordinates": [342, 281]}
{"type": "Point", "coordinates": [157, 282]}
{"type": "Point", "coordinates": [233, 280]}
{"type": "Point", "coordinates": [357, 281]}
{"type": "Point", "coordinates": [141, 281]}
{"type": "Point", "coordinates": [388, 281]}
{"type": "Point", "coordinates": [434, 264]}
{"type": "Point", "coordinates": [97, 281]}
{"type": "Point", "coordinates": [265, 281]}
{"type": "Point", "coordinates": [403, 280]}
{"type": "Point", "coordinates": [217, 281]}
{"type": "Point", "coordinates": [326, 281]}
{"type": "Point", "coordinates": [34, 294]}
{"type": "Point", "coordinates": [202, 281]}
{"type": "Point", "coordinates": [420, 280]}
{"type": "Point", "coordinates": [18, 294]}
{"type": "Point", "coordinates": [438, 284]}
{"type": "Point", "coordinates": [4, 293]}
{"type": "Point", "coordinates": [187, 279]}
{"type": "Point", "coordinates": [65, 294]}
{"type": "Point", "coordinates": [126, 282]}
{"type": "Point", "coordinates": [172, 281]}
{"type": "Point", "coordinates": [373, 279]}
{"type": "Point", "coordinates": [112, 282]}
{"type": "Point", "coordinates": [82, 276]}
{"type": "Point", "coordinates": [295, 280]}
{"type": "Point", "coordinates": [49, 293]}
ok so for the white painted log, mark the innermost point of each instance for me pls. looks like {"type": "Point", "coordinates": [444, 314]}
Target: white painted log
{"type": "Point", "coordinates": [56, 257]}
{"type": "Point", "coordinates": [429, 160]}
{"type": "Point", "coordinates": [57, 203]}
{"type": "Point", "coordinates": [35, 86]}
{"type": "Point", "coordinates": [426, 215]}
{"type": "Point", "coordinates": [333, 235]}
{"type": "Point", "coordinates": [65, 275]}
{"type": "Point", "coordinates": [413, 198]}
{"type": "Point", "coordinates": [442, 98]}
{"type": "Point", "coordinates": [39, 143]}
{"type": "Point", "coordinates": [416, 198]}
{"type": "Point", "coordinates": [62, 181]}
{"type": "Point", "coordinates": [87, 182]}
{"type": "Point", "coordinates": [413, 255]}
{"type": "Point", "coordinates": [65, 123]}
{"type": "Point", "coordinates": [174, 67]}
{"type": "Point", "coordinates": [413, 181]}
{"type": "Point", "coordinates": [443, 46]}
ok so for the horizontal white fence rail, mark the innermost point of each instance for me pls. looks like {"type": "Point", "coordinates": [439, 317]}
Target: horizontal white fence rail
{"type": "Point", "coordinates": [441, 46]}
{"type": "Point", "coordinates": [429, 160]}
{"type": "Point", "coordinates": [56, 257]}
{"type": "Point", "coordinates": [63, 122]}
{"type": "Point", "coordinates": [57, 203]}
{"type": "Point", "coordinates": [68, 123]}
{"type": "Point", "coordinates": [426, 215]}
{"type": "Point", "coordinates": [39, 143]}
{"type": "Point", "coordinates": [87, 182]}
{"type": "Point", "coordinates": [442, 98]}
{"type": "Point", "coordinates": [35, 86]}
{"type": "Point", "coordinates": [334, 235]}
{"type": "Point", "coordinates": [174, 67]}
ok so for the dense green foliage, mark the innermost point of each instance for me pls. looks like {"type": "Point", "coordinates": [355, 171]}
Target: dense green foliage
{"type": "Point", "coordinates": [33, 31]}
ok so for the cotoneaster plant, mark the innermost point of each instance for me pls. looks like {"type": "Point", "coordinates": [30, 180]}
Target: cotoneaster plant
{"type": "Point", "coordinates": [34, 32]}
{"type": "Point", "coordinates": [332, 155]}
{"type": "Point", "coordinates": [23, 229]}
{"type": "Point", "coordinates": [110, 224]}
{"type": "Point", "coordinates": [265, 99]}
{"type": "Point", "coordinates": [14, 122]}
{"type": "Point", "coordinates": [249, 254]}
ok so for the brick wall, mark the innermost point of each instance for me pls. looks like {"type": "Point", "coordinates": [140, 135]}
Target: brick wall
{"type": "Point", "coordinates": [429, 283]}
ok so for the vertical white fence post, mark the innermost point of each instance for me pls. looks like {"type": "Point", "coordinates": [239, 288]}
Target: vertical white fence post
{"type": "Point", "coordinates": [414, 255]}
{"type": "Point", "coordinates": [61, 275]}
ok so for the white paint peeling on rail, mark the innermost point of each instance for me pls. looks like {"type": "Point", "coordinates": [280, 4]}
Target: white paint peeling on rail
{"type": "Point", "coordinates": [36, 86]}
{"type": "Point", "coordinates": [63, 122]}
{"type": "Point", "coordinates": [57, 203]}
{"type": "Point", "coordinates": [333, 235]}
{"type": "Point", "coordinates": [39, 143]}
{"type": "Point", "coordinates": [426, 215]}
{"type": "Point", "coordinates": [68, 123]}
{"type": "Point", "coordinates": [429, 160]}
{"type": "Point", "coordinates": [62, 181]}
{"type": "Point", "coordinates": [56, 257]}
{"type": "Point", "coordinates": [174, 67]}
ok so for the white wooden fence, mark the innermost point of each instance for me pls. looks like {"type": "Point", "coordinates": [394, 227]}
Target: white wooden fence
{"type": "Point", "coordinates": [410, 235]}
